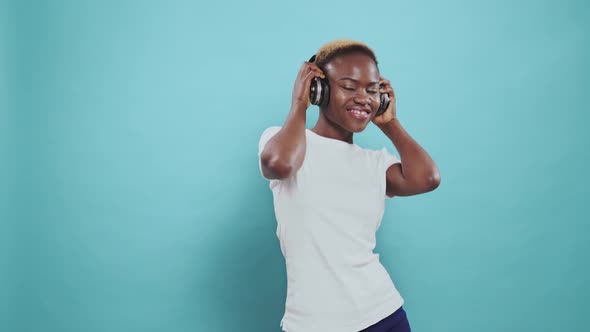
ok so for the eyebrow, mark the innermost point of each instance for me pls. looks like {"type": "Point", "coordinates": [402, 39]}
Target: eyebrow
{"type": "Point", "coordinates": [356, 81]}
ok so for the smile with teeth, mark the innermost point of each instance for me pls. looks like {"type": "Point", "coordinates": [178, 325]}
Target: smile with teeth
{"type": "Point", "coordinates": [359, 114]}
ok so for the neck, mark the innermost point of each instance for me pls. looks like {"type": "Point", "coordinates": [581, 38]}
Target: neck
{"type": "Point", "coordinates": [325, 127]}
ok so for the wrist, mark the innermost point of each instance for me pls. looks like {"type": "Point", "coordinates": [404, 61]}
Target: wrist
{"type": "Point", "coordinates": [298, 106]}
{"type": "Point", "coordinates": [391, 128]}
{"type": "Point", "coordinates": [389, 125]}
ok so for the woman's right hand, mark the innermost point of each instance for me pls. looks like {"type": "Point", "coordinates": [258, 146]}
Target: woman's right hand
{"type": "Point", "coordinates": [301, 90]}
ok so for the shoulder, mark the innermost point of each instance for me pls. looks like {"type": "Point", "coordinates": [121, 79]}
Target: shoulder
{"type": "Point", "coordinates": [267, 134]}
{"type": "Point", "coordinates": [270, 131]}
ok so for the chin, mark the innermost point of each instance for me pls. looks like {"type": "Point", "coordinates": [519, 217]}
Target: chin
{"type": "Point", "coordinates": [356, 128]}
{"type": "Point", "coordinates": [360, 129]}
{"type": "Point", "coordinates": [342, 121]}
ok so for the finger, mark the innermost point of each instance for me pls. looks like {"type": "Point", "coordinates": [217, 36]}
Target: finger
{"type": "Point", "coordinates": [318, 73]}
{"type": "Point", "coordinates": [316, 68]}
{"type": "Point", "coordinates": [390, 92]}
{"type": "Point", "coordinates": [386, 85]}
{"type": "Point", "coordinates": [307, 66]}
{"type": "Point", "coordinates": [306, 73]}
{"type": "Point", "coordinates": [303, 70]}
{"type": "Point", "coordinates": [311, 75]}
{"type": "Point", "coordinates": [311, 64]}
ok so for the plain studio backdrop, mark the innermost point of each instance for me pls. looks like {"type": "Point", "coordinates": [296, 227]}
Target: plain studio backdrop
{"type": "Point", "coordinates": [132, 199]}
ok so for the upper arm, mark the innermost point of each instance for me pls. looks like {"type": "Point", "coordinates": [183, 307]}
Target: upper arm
{"type": "Point", "coordinates": [270, 168]}
{"type": "Point", "coordinates": [264, 138]}
{"type": "Point", "coordinates": [398, 185]}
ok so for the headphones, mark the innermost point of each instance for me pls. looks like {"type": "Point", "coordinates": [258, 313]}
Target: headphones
{"type": "Point", "coordinates": [319, 93]}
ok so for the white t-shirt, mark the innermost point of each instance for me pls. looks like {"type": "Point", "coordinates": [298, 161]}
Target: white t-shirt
{"type": "Point", "coordinates": [327, 216]}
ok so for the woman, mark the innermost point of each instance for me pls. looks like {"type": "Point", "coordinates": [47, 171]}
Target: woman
{"type": "Point", "coordinates": [329, 195]}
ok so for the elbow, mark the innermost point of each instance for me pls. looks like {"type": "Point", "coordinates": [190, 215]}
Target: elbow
{"type": "Point", "coordinates": [275, 168]}
{"type": "Point", "coordinates": [434, 180]}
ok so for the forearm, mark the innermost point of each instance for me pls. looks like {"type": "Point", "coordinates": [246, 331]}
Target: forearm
{"type": "Point", "coordinates": [417, 166]}
{"type": "Point", "coordinates": [284, 152]}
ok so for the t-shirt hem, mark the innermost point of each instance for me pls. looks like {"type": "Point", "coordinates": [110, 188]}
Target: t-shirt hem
{"type": "Point", "coordinates": [376, 316]}
{"type": "Point", "coordinates": [382, 312]}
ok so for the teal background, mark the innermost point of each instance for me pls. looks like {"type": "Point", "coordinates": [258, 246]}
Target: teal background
{"type": "Point", "coordinates": [132, 199]}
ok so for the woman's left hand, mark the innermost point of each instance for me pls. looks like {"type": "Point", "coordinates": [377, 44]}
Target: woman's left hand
{"type": "Point", "coordinates": [389, 114]}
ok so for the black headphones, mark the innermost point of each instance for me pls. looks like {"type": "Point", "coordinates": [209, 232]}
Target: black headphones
{"type": "Point", "coordinates": [320, 93]}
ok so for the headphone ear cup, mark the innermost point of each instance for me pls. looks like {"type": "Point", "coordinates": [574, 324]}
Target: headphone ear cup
{"type": "Point", "coordinates": [319, 93]}
{"type": "Point", "coordinates": [315, 93]}
{"type": "Point", "coordinates": [384, 103]}
{"type": "Point", "coordinates": [325, 100]}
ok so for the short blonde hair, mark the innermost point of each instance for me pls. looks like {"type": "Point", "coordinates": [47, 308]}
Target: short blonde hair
{"type": "Point", "coordinates": [338, 47]}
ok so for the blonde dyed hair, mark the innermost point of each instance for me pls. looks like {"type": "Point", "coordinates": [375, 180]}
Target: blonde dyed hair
{"type": "Point", "coordinates": [338, 47]}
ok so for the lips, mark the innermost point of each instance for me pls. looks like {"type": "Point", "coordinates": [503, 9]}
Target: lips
{"type": "Point", "coordinates": [360, 113]}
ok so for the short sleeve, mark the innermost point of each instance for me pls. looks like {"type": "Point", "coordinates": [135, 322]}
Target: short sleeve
{"type": "Point", "coordinates": [267, 134]}
{"type": "Point", "coordinates": [388, 159]}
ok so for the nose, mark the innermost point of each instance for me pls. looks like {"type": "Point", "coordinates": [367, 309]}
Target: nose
{"type": "Point", "coordinates": [362, 98]}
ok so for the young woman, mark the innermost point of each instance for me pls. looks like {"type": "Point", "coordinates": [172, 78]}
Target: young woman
{"type": "Point", "coordinates": [329, 195]}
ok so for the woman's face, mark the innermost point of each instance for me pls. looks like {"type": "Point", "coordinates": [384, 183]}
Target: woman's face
{"type": "Point", "coordinates": [354, 91]}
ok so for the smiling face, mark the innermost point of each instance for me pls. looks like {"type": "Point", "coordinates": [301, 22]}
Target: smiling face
{"type": "Point", "coordinates": [354, 91]}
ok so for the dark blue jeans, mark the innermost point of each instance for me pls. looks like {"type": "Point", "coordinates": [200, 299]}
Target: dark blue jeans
{"type": "Point", "coordinates": [396, 322]}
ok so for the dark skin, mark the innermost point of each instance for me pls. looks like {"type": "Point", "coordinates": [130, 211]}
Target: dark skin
{"type": "Point", "coordinates": [355, 85]}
